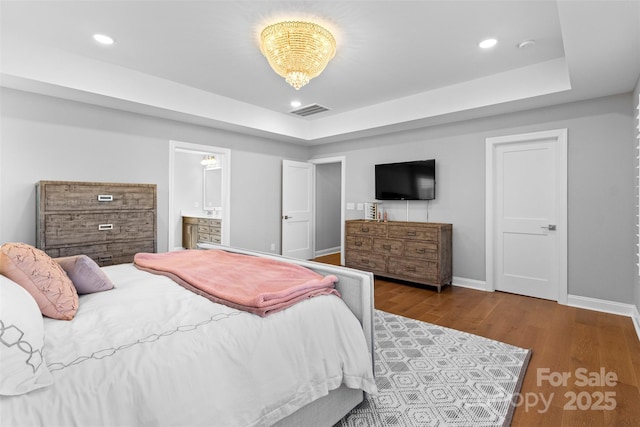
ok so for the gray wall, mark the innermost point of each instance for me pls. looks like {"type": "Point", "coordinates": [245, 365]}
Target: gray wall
{"type": "Point", "coordinates": [328, 182]}
{"type": "Point", "coordinates": [45, 138]}
{"type": "Point", "coordinates": [601, 172]}
{"type": "Point", "coordinates": [48, 138]}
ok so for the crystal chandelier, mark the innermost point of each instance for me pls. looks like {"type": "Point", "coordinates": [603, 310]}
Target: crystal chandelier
{"type": "Point", "coordinates": [297, 51]}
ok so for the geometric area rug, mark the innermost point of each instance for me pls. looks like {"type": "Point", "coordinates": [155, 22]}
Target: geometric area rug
{"type": "Point", "coordinates": [429, 375]}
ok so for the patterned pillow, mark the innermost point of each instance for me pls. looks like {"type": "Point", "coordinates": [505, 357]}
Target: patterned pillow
{"type": "Point", "coordinates": [21, 341]}
{"type": "Point", "coordinates": [86, 275]}
{"type": "Point", "coordinates": [42, 277]}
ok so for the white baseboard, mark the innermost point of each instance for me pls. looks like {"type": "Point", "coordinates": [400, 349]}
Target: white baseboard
{"type": "Point", "coordinates": [612, 307]}
{"type": "Point", "coordinates": [601, 305]}
{"type": "Point", "coordinates": [329, 251]}
{"type": "Point", "coordinates": [479, 285]}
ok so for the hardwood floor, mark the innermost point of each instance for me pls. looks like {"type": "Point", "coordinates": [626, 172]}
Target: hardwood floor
{"type": "Point", "coordinates": [597, 353]}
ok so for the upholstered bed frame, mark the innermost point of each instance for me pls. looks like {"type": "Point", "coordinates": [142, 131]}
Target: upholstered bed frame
{"type": "Point", "coordinates": [356, 288]}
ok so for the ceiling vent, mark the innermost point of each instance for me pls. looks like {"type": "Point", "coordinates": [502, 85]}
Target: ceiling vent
{"type": "Point", "coordinates": [309, 110]}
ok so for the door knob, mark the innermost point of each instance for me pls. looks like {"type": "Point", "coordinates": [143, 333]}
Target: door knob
{"type": "Point", "coordinates": [550, 227]}
{"type": "Point", "coordinates": [287, 217]}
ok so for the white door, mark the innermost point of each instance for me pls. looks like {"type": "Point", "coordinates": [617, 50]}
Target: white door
{"type": "Point", "coordinates": [297, 208]}
{"type": "Point", "coordinates": [527, 212]}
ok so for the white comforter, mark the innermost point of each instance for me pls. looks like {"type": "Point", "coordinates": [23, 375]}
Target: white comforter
{"type": "Point", "coordinates": [151, 353]}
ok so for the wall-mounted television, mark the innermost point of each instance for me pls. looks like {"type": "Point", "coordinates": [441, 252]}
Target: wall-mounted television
{"type": "Point", "coordinates": [415, 180]}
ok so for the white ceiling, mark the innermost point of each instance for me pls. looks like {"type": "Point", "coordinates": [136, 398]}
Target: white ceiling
{"type": "Point", "coordinates": [399, 64]}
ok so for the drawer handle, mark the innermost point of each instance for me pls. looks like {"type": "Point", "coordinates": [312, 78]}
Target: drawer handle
{"type": "Point", "coordinates": [365, 229]}
{"type": "Point", "coordinates": [411, 233]}
{"type": "Point", "coordinates": [386, 247]}
{"type": "Point", "coordinates": [105, 198]}
{"type": "Point", "coordinates": [421, 250]}
{"type": "Point", "coordinates": [365, 261]}
{"type": "Point", "coordinates": [411, 269]}
{"type": "Point", "coordinates": [358, 243]}
{"type": "Point", "coordinates": [103, 258]}
{"type": "Point", "coordinates": [104, 227]}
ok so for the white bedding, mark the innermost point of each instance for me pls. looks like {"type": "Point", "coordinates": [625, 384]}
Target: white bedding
{"type": "Point", "coordinates": [151, 353]}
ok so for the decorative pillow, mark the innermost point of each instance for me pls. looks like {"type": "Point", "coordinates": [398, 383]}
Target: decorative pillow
{"type": "Point", "coordinates": [86, 275]}
{"type": "Point", "coordinates": [42, 277]}
{"type": "Point", "coordinates": [21, 341]}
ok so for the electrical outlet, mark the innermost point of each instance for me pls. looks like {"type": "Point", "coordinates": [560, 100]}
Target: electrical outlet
{"type": "Point", "coordinates": [351, 206]}
{"type": "Point", "coordinates": [273, 246]}
{"type": "Point", "coordinates": [360, 206]}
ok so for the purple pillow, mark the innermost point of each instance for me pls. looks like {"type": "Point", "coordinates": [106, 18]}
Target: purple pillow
{"type": "Point", "coordinates": [86, 275]}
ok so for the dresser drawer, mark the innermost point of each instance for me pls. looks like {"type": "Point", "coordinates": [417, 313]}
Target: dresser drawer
{"type": "Point", "coordinates": [106, 253]}
{"type": "Point", "coordinates": [366, 228]}
{"type": "Point", "coordinates": [387, 246]}
{"type": "Point", "coordinates": [413, 269]}
{"type": "Point", "coordinates": [422, 250]}
{"type": "Point", "coordinates": [209, 221]}
{"type": "Point", "coordinates": [359, 243]}
{"type": "Point", "coordinates": [66, 196]}
{"type": "Point", "coordinates": [69, 229]}
{"type": "Point", "coordinates": [203, 229]}
{"type": "Point", "coordinates": [208, 238]}
{"type": "Point", "coordinates": [365, 261]}
{"type": "Point", "coordinates": [417, 232]}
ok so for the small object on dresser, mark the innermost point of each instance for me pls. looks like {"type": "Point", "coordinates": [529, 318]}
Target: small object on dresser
{"type": "Point", "coordinates": [373, 211]}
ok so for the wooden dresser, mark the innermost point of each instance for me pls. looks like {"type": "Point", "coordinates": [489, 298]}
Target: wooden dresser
{"type": "Point", "coordinates": [199, 230]}
{"type": "Point", "coordinates": [107, 222]}
{"type": "Point", "coordinates": [417, 252]}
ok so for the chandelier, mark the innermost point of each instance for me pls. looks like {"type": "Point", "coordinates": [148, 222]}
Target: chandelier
{"type": "Point", "coordinates": [297, 51]}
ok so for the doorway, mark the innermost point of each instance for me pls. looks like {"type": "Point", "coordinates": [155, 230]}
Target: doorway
{"type": "Point", "coordinates": [327, 212]}
{"type": "Point", "coordinates": [526, 214]}
{"type": "Point", "coordinates": [312, 194]}
{"type": "Point", "coordinates": [188, 188]}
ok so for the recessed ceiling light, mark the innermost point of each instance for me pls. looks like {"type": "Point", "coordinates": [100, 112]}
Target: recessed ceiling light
{"type": "Point", "coordinates": [296, 104]}
{"type": "Point", "coordinates": [102, 39]}
{"type": "Point", "coordinates": [486, 44]}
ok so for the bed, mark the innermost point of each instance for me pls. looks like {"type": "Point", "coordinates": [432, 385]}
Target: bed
{"type": "Point", "coordinates": [149, 352]}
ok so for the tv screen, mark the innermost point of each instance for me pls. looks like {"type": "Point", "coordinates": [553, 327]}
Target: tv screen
{"type": "Point", "coordinates": [414, 180]}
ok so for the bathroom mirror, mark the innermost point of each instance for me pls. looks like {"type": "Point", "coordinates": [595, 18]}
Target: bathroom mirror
{"type": "Point", "coordinates": [212, 188]}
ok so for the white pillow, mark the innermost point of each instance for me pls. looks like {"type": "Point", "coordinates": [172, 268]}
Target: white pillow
{"type": "Point", "coordinates": [21, 341]}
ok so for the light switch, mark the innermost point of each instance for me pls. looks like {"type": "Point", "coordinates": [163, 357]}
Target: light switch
{"type": "Point", "coordinates": [360, 206]}
{"type": "Point", "coordinates": [351, 206]}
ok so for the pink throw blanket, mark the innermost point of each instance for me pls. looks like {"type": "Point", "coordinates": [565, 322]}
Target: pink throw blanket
{"type": "Point", "coordinates": [259, 285]}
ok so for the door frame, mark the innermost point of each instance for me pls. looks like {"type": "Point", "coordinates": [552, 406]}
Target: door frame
{"type": "Point", "coordinates": [560, 138]}
{"type": "Point", "coordinates": [325, 160]}
{"type": "Point", "coordinates": [200, 149]}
